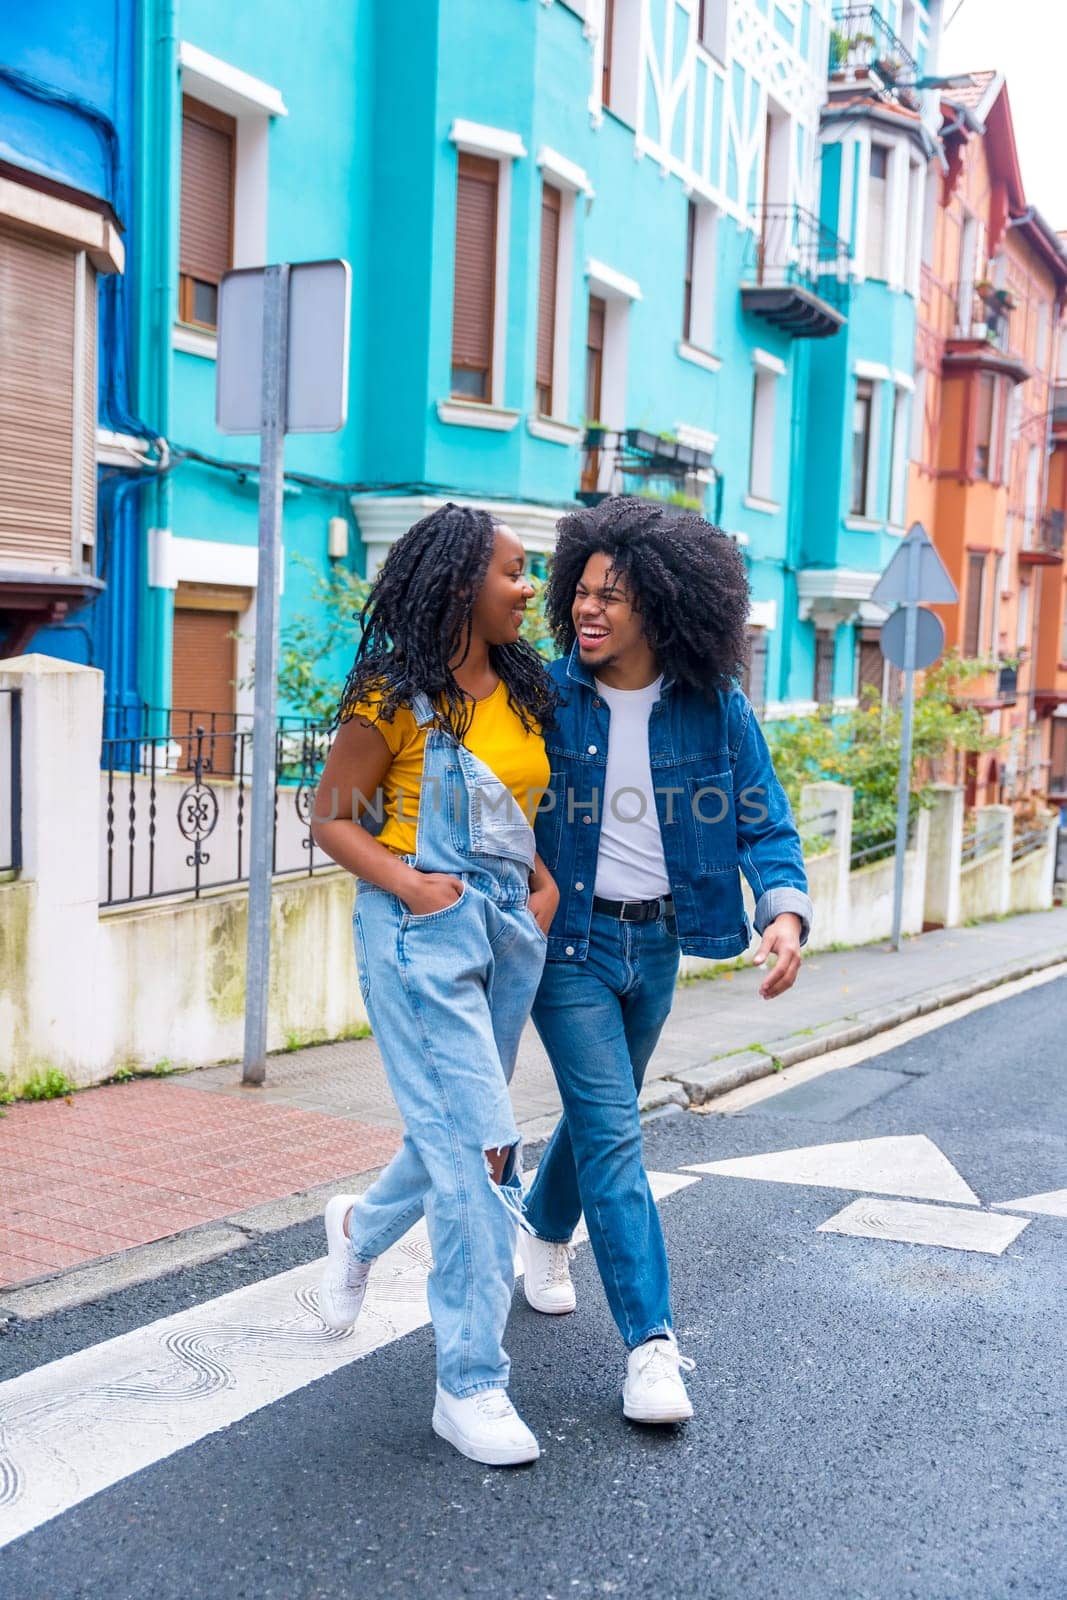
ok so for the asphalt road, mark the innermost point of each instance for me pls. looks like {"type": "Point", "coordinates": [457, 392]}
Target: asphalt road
{"type": "Point", "coordinates": [873, 1418]}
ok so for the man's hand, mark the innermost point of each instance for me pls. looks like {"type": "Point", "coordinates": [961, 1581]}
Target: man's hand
{"type": "Point", "coordinates": [781, 938]}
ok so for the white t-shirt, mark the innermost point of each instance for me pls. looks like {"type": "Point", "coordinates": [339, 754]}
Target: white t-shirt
{"type": "Point", "coordinates": [631, 865]}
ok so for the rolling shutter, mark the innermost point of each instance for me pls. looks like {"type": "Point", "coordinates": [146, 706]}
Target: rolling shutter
{"type": "Point", "coordinates": [551, 202]}
{"type": "Point", "coordinates": [472, 307]}
{"type": "Point", "coordinates": [202, 684]}
{"type": "Point", "coordinates": [87, 524]}
{"type": "Point", "coordinates": [37, 411]}
{"type": "Point", "coordinates": [208, 139]}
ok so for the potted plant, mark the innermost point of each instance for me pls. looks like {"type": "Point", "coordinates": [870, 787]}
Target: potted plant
{"type": "Point", "coordinates": [644, 440]}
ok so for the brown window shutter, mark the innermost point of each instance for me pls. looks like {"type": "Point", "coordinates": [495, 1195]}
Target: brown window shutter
{"type": "Point", "coordinates": [88, 442]}
{"type": "Point", "coordinates": [690, 248]}
{"type": "Point", "coordinates": [208, 145]}
{"type": "Point", "coordinates": [473, 300]}
{"type": "Point", "coordinates": [204, 666]}
{"type": "Point", "coordinates": [36, 403]}
{"type": "Point", "coordinates": [551, 204]}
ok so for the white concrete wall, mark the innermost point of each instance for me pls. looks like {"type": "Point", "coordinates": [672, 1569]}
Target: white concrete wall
{"type": "Point", "coordinates": [1032, 876]}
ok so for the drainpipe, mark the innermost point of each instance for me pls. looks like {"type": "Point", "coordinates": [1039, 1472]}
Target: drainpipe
{"type": "Point", "coordinates": [158, 125]}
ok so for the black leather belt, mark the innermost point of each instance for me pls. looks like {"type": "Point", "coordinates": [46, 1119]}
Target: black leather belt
{"type": "Point", "coordinates": [635, 910]}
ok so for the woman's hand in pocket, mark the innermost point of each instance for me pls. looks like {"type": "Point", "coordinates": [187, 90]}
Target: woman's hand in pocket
{"type": "Point", "coordinates": [544, 896]}
{"type": "Point", "coordinates": [425, 892]}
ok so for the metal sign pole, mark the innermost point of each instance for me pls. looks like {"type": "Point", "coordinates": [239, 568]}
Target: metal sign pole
{"type": "Point", "coordinates": [271, 496]}
{"type": "Point", "coordinates": [906, 726]}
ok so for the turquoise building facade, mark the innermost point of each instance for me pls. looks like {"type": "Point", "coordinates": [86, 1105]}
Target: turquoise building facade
{"type": "Point", "coordinates": [595, 245]}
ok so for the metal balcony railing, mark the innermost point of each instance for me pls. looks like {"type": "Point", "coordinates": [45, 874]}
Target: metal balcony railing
{"type": "Point", "coordinates": [1043, 539]}
{"type": "Point", "coordinates": [1059, 406]}
{"type": "Point", "coordinates": [861, 38]}
{"type": "Point", "coordinates": [793, 249]}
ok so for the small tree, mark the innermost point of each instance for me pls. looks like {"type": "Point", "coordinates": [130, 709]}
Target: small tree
{"type": "Point", "coordinates": [862, 749]}
{"type": "Point", "coordinates": [318, 644]}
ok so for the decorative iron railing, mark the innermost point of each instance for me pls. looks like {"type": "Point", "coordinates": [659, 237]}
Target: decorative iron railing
{"type": "Point", "coordinates": [793, 248]}
{"type": "Point", "coordinates": [867, 855]}
{"type": "Point", "coordinates": [177, 801]}
{"type": "Point", "coordinates": [1050, 532]}
{"type": "Point", "coordinates": [861, 39]}
{"type": "Point", "coordinates": [10, 780]}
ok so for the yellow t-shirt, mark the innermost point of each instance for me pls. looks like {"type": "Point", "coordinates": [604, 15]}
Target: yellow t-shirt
{"type": "Point", "coordinates": [496, 736]}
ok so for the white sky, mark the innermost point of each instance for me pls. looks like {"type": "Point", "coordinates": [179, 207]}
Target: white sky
{"type": "Point", "coordinates": [1027, 41]}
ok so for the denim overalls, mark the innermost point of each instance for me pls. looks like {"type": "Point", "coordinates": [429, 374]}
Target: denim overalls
{"type": "Point", "coordinates": [448, 995]}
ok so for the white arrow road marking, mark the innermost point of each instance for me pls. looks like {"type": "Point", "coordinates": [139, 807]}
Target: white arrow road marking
{"type": "Point", "coordinates": [1052, 1204]}
{"type": "Point", "coordinates": [908, 1223]}
{"type": "Point", "coordinates": [88, 1420]}
{"type": "Point", "coordinates": [910, 1164]}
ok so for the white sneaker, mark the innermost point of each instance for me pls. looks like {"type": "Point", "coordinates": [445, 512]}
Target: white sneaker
{"type": "Point", "coordinates": [344, 1279]}
{"type": "Point", "coordinates": [484, 1427]}
{"type": "Point", "coordinates": [654, 1391]}
{"type": "Point", "coordinates": [546, 1274]}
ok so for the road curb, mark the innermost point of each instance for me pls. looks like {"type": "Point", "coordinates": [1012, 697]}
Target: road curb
{"type": "Point", "coordinates": [720, 1074]}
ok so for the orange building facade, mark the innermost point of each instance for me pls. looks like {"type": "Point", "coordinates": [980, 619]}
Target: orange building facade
{"type": "Point", "coordinates": [988, 476]}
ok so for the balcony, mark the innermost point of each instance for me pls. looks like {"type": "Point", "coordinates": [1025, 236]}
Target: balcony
{"type": "Point", "coordinates": [1059, 411]}
{"type": "Point", "coordinates": [1043, 541]}
{"type": "Point", "coordinates": [655, 466]}
{"type": "Point", "coordinates": [795, 274]}
{"type": "Point", "coordinates": [865, 50]}
{"type": "Point", "coordinates": [982, 335]}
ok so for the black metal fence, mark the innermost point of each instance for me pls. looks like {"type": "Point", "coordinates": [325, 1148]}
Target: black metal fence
{"type": "Point", "coordinates": [793, 247]}
{"type": "Point", "coordinates": [10, 780]}
{"type": "Point", "coordinates": [177, 801]}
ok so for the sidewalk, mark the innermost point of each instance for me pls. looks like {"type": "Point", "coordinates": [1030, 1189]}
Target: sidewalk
{"type": "Point", "coordinates": [202, 1164]}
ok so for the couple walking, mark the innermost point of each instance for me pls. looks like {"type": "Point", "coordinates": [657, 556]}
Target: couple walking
{"type": "Point", "coordinates": [552, 840]}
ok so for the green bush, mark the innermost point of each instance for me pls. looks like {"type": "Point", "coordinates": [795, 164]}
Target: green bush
{"type": "Point", "coordinates": [862, 748]}
{"type": "Point", "coordinates": [51, 1084]}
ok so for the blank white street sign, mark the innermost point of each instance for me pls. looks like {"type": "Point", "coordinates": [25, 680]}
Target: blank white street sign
{"type": "Point", "coordinates": [317, 387]}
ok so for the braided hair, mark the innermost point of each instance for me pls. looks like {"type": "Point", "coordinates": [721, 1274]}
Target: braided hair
{"type": "Point", "coordinates": [418, 617]}
{"type": "Point", "coordinates": [686, 577]}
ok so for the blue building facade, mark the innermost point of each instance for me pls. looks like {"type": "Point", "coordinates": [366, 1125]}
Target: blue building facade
{"type": "Point", "coordinates": [596, 245]}
{"type": "Point", "coordinates": [69, 521]}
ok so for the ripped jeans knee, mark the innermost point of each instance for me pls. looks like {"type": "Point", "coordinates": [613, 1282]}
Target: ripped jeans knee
{"type": "Point", "coordinates": [503, 1166]}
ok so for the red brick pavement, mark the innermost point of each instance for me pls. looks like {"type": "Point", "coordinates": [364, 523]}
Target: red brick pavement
{"type": "Point", "coordinates": [128, 1163]}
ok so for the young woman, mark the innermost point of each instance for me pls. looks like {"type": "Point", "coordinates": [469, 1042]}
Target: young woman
{"type": "Point", "coordinates": [441, 719]}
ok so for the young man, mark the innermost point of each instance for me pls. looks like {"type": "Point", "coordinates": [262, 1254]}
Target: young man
{"type": "Point", "coordinates": [662, 788]}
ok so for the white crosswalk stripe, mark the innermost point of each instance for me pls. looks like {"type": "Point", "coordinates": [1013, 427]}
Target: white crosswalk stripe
{"type": "Point", "coordinates": [83, 1423]}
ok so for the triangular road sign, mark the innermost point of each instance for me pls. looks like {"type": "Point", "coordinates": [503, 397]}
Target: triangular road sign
{"type": "Point", "coordinates": [932, 584]}
{"type": "Point", "coordinates": [909, 1165]}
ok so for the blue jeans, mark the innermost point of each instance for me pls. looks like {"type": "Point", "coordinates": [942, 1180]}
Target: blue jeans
{"type": "Point", "coordinates": [599, 1020]}
{"type": "Point", "coordinates": [448, 995]}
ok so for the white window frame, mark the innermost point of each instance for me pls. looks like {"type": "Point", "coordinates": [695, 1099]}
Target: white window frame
{"type": "Point", "coordinates": [918, 418]}
{"type": "Point", "coordinates": [618, 293]}
{"type": "Point", "coordinates": [879, 271]}
{"type": "Point", "coordinates": [768, 370]}
{"type": "Point", "coordinates": [571, 180]}
{"type": "Point", "coordinates": [916, 227]}
{"type": "Point", "coordinates": [700, 342]}
{"type": "Point", "coordinates": [627, 56]}
{"type": "Point", "coordinates": [713, 40]}
{"type": "Point", "coordinates": [900, 393]}
{"type": "Point", "coordinates": [505, 148]}
{"type": "Point", "coordinates": [252, 103]}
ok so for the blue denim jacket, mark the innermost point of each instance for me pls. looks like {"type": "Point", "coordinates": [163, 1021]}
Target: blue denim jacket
{"type": "Point", "coordinates": [721, 808]}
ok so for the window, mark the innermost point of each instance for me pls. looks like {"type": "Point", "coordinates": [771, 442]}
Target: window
{"type": "Point", "coordinates": [204, 673]}
{"type": "Point", "coordinates": [898, 461]}
{"type": "Point", "coordinates": [862, 417]}
{"type": "Point", "coordinates": [594, 383]}
{"type": "Point", "coordinates": [1041, 341]}
{"type": "Point", "coordinates": [711, 27]}
{"type": "Point", "coordinates": [877, 201]}
{"type": "Point", "coordinates": [47, 404]}
{"type": "Point", "coordinates": [1022, 629]}
{"type": "Point", "coordinates": [609, 51]}
{"type": "Point", "coordinates": [999, 568]}
{"type": "Point", "coordinates": [1033, 495]}
{"type": "Point", "coordinates": [754, 676]}
{"type": "Point", "coordinates": [870, 666]}
{"type": "Point", "coordinates": [824, 666]}
{"type": "Point", "coordinates": [761, 460]}
{"type": "Point", "coordinates": [473, 301]}
{"type": "Point", "coordinates": [547, 294]}
{"type": "Point", "coordinates": [984, 433]}
{"type": "Point", "coordinates": [918, 418]}
{"type": "Point", "coordinates": [975, 604]}
{"type": "Point", "coordinates": [209, 140]}
{"type": "Point", "coordinates": [968, 269]}
{"type": "Point", "coordinates": [698, 315]}
{"type": "Point", "coordinates": [1058, 756]}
